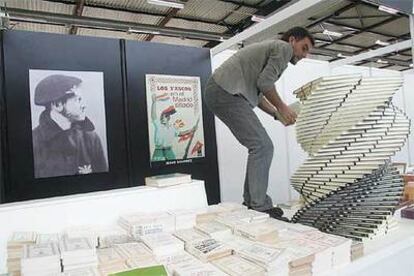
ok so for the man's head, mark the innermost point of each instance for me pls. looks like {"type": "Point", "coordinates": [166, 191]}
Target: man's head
{"type": "Point", "coordinates": [62, 94]}
{"type": "Point", "coordinates": [300, 40]}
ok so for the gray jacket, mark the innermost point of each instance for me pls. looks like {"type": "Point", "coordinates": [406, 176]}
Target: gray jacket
{"type": "Point", "coordinates": [254, 69]}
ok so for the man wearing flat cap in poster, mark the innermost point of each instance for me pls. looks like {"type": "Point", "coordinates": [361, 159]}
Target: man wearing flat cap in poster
{"type": "Point", "coordinates": [65, 141]}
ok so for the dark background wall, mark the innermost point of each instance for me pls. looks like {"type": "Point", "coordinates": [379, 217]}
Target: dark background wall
{"type": "Point", "coordinates": [124, 64]}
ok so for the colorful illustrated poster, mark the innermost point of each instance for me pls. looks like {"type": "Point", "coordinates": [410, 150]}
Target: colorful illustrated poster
{"type": "Point", "coordinates": [175, 122]}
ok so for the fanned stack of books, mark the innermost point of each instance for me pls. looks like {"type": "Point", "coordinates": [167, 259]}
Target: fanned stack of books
{"type": "Point", "coordinates": [208, 249]}
{"type": "Point", "coordinates": [163, 244]}
{"type": "Point", "coordinates": [184, 219]}
{"type": "Point", "coordinates": [261, 232]}
{"type": "Point", "coordinates": [41, 259]}
{"type": "Point", "coordinates": [166, 180]}
{"type": "Point", "coordinates": [109, 236]}
{"type": "Point", "coordinates": [234, 265]}
{"type": "Point", "coordinates": [141, 224]}
{"type": "Point", "coordinates": [190, 235]}
{"type": "Point", "coordinates": [214, 229]}
{"type": "Point", "coordinates": [77, 253]}
{"type": "Point", "coordinates": [15, 249]}
{"type": "Point", "coordinates": [110, 261]}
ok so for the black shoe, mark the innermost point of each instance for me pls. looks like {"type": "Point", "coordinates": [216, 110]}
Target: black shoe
{"type": "Point", "coordinates": [276, 213]}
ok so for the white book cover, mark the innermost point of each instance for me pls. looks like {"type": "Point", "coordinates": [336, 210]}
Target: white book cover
{"type": "Point", "coordinates": [167, 179]}
{"type": "Point", "coordinates": [40, 250]}
{"type": "Point", "coordinates": [47, 238]}
{"type": "Point", "coordinates": [109, 255]}
{"type": "Point", "coordinates": [89, 271]}
{"type": "Point", "coordinates": [214, 229]}
{"type": "Point", "coordinates": [201, 270]}
{"type": "Point", "coordinates": [133, 250]}
{"type": "Point", "coordinates": [163, 243]}
{"type": "Point", "coordinates": [208, 249]}
{"type": "Point", "coordinates": [236, 266]}
{"type": "Point", "coordinates": [190, 235]}
{"type": "Point", "coordinates": [22, 237]}
{"type": "Point", "coordinates": [260, 253]}
{"type": "Point", "coordinates": [175, 122]}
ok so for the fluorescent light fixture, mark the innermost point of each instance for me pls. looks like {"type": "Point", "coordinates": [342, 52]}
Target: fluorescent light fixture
{"type": "Point", "coordinates": [382, 43]}
{"type": "Point", "coordinates": [132, 30]}
{"type": "Point", "coordinates": [341, 55]}
{"type": "Point", "coordinates": [411, 65]}
{"type": "Point", "coordinates": [257, 18]}
{"type": "Point", "coordinates": [331, 33]}
{"type": "Point", "coordinates": [166, 3]}
{"type": "Point", "coordinates": [222, 39]}
{"type": "Point", "coordinates": [382, 61]}
{"type": "Point", "coordinates": [387, 9]}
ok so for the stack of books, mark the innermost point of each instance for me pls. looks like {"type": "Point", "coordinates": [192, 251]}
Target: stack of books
{"type": "Point", "coordinates": [184, 219]}
{"type": "Point", "coordinates": [110, 261]}
{"type": "Point", "coordinates": [190, 235]}
{"type": "Point", "coordinates": [209, 213]}
{"type": "Point", "coordinates": [77, 253]}
{"type": "Point", "coordinates": [166, 180]}
{"type": "Point", "coordinates": [232, 219]}
{"type": "Point", "coordinates": [109, 236]}
{"type": "Point", "coordinates": [234, 265]}
{"type": "Point", "coordinates": [83, 231]}
{"type": "Point", "coordinates": [260, 232]}
{"type": "Point", "coordinates": [15, 249]}
{"type": "Point", "coordinates": [141, 224]}
{"type": "Point", "coordinates": [208, 249]}
{"type": "Point", "coordinates": [163, 244]}
{"type": "Point", "coordinates": [88, 271]}
{"type": "Point", "coordinates": [198, 270]}
{"type": "Point", "coordinates": [41, 259]}
{"type": "Point", "coordinates": [47, 238]}
{"type": "Point", "coordinates": [262, 255]}
{"type": "Point", "coordinates": [136, 254]}
{"type": "Point", "coordinates": [357, 250]}
{"type": "Point", "coordinates": [180, 260]}
{"type": "Point", "coordinates": [214, 230]}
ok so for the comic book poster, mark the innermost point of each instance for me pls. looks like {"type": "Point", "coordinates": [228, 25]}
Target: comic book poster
{"type": "Point", "coordinates": [175, 122]}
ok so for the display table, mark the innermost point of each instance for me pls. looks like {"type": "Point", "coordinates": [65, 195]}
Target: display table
{"type": "Point", "coordinates": [52, 215]}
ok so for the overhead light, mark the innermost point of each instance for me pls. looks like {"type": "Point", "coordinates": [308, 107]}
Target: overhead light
{"type": "Point", "coordinates": [382, 61]}
{"type": "Point", "coordinates": [166, 3]}
{"type": "Point", "coordinates": [257, 18]}
{"type": "Point", "coordinates": [132, 30]}
{"type": "Point", "coordinates": [222, 39]}
{"type": "Point", "coordinates": [341, 55]}
{"type": "Point", "coordinates": [382, 43]}
{"type": "Point", "coordinates": [411, 65]}
{"type": "Point", "coordinates": [387, 9]}
{"type": "Point", "coordinates": [331, 33]}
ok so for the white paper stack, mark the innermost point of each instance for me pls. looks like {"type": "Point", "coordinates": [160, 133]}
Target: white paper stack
{"type": "Point", "coordinates": [15, 249]}
{"type": "Point", "coordinates": [41, 259]}
{"type": "Point", "coordinates": [110, 261]}
{"type": "Point", "coordinates": [111, 235]}
{"type": "Point", "coordinates": [77, 253]}
{"type": "Point", "coordinates": [208, 249]}
{"type": "Point", "coordinates": [209, 213]}
{"type": "Point", "coordinates": [262, 255]}
{"type": "Point", "coordinates": [232, 206]}
{"type": "Point", "coordinates": [47, 238]}
{"type": "Point", "coordinates": [214, 230]}
{"type": "Point", "coordinates": [163, 244]}
{"type": "Point", "coordinates": [261, 232]}
{"type": "Point", "coordinates": [341, 247]}
{"type": "Point", "coordinates": [357, 250]}
{"type": "Point", "coordinates": [83, 231]}
{"type": "Point", "coordinates": [136, 254]}
{"type": "Point", "coordinates": [199, 270]}
{"type": "Point", "coordinates": [167, 179]}
{"type": "Point", "coordinates": [89, 271]}
{"type": "Point", "coordinates": [190, 235]}
{"type": "Point", "coordinates": [141, 224]}
{"type": "Point", "coordinates": [184, 219]}
{"type": "Point", "coordinates": [236, 266]}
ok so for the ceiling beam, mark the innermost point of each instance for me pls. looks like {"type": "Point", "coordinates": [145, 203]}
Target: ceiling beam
{"type": "Point", "coordinates": [108, 24]}
{"type": "Point", "coordinates": [278, 17]}
{"type": "Point", "coordinates": [374, 53]}
{"type": "Point", "coordinates": [77, 11]}
{"type": "Point", "coordinates": [163, 22]}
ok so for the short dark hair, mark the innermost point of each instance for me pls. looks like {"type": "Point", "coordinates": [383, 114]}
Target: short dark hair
{"type": "Point", "coordinates": [299, 33]}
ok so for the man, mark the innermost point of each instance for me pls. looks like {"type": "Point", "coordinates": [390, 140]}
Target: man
{"type": "Point", "coordinates": [64, 142]}
{"type": "Point", "coordinates": [247, 80]}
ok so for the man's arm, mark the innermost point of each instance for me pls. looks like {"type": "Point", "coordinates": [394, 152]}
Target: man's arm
{"type": "Point", "coordinates": [287, 113]}
{"type": "Point", "coordinates": [267, 107]}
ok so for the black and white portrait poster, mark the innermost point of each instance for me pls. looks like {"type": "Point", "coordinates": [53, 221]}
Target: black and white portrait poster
{"type": "Point", "coordinates": [175, 122]}
{"type": "Point", "coordinates": [68, 123]}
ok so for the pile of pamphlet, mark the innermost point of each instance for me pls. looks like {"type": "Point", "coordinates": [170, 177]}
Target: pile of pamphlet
{"type": "Point", "coordinates": [77, 253]}
{"type": "Point", "coordinates": [41, 259]}
{"type": "Point", "coordinates": [141, 224]}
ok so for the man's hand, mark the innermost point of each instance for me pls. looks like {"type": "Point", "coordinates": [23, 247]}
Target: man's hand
{"type": "Point", "coordinates": [288, 114]}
